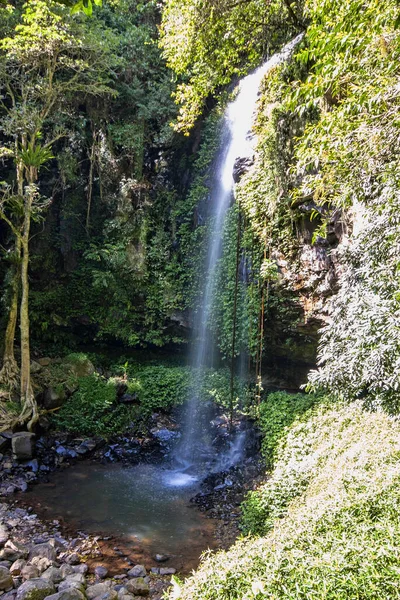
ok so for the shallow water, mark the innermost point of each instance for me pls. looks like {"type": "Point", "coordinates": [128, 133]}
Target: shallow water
{"type": "Point", "coordinates": [146, 505]}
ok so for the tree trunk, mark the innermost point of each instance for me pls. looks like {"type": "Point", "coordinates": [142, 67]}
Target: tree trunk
{"type": "Point", "coordinates": [29, 411]}
{"type": "Point", "coordinates": [9, 371]}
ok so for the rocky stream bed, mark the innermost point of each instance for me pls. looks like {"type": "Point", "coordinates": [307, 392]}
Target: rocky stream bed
{"type": "Point", "coordinates": [43, 557]}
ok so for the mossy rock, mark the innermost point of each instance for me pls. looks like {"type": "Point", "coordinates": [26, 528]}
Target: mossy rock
{"type": "Point", "coordinates": [79, 365]}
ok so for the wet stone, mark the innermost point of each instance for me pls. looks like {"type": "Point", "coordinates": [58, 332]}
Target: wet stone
{"type": "Point", "coordinates": [167, 571]}
{"type": "Point", "coordinates": [161, 557]}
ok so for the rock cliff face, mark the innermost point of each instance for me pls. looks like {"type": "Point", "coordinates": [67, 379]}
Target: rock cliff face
{"type": "Point", "coordinates": [299, 300]}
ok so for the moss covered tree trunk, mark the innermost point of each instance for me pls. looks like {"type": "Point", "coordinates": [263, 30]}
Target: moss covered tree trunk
{"type": "Point", "coordinates": [9, 371]}
{"type": "Point", "coordinates": [29, 411]}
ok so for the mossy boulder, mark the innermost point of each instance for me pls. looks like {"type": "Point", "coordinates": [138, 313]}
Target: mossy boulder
{"type": "Point", "coordinates": [79, 365]}
{"type": "Point", "coordinates": [35, 589]}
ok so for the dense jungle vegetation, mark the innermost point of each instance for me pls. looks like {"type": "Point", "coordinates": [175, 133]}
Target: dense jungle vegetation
{"type": "Point", "coordinates": [110, 121]}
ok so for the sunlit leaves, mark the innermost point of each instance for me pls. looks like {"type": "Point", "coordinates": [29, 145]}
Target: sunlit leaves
{"type": "Point", "coordinates": [208, 43]}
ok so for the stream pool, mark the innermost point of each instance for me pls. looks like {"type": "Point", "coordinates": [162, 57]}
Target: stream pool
{"type": "Point", "coordinates": [146, 507]}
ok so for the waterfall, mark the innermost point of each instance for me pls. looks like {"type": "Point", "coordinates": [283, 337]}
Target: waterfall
{"type": "Point", "coordinates": [236, 142]}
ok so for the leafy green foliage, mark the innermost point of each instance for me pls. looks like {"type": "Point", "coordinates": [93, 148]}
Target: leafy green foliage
{"type": "Point", "coordinates": [359, 350]}
{"type": "Point", "coordinates": [90, 410]}
{"type": "Point", "coordinates": [330, 510]}
{"type": "Point", "coordinates": [347, 158]}
{"type": "Point", "coordinates": [277, 415]}
{"type": "Point", "coordinates": [353, 56]}
{"type": "Point", "coordinates": [278, 412]}
{"type": "Point", "coordinates": [162, 387]}
{"type": "Point", "coordinates": [207, 43]}
{"type": "Point", "coordinates": [93, 409]}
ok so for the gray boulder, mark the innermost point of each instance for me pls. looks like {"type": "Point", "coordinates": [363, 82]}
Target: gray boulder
{"type": "Point", "coordinates": [6, 580]}
{"type": "Point", "coordinates": [123, 594]}
{"type": "Point", "coordinates": [81, 368]}
{"type": "Point", "coordinates": [18, 548]}
{"type": "Point", "coordinates": [30, 572]}
{"type": "Point", "coordinates": [9, 595]}
{"type": "Point", "coordinates": [54, 397]}
{"type": "Point", "coordinates": [161, 557]}
{"type": "Point", "coordinates": [13, 551]}
{"type": "Point", "coordinates": [73, 559]}
{"type": "Point", "coordinates": [35, 367]}
{"type": "Point", "coordinates": [137, 571]}
{"type": "Point", "coordinates": [167, 571]}
{"type": "Point", "coordinates": [138, 587]}
{"type": "Point", "coordinates": [7, 554]}
{"type": "Point", "coordinates": [126, 596]}
{"type": "Point", "coordinates": [101, 572]}
{"type": "Point", "coordinates": [98, 589]}
{"type": "Point", "coordinates": [3, 535]}
{"type": "Point", "coordinates": [23, 445]}
{"type": "Point", "coordinates": [53, 574]}
{"type": "Point", "coordinates": [41, 563]}
{"type": "Point", "coordinates": [66, 570]}
{"type": "Point", "coordinates": [17, 567]}
{"type": "Point", "coordinates": [35, 589]}
{"type": "Point", "coordinates": [82, 568]}
{"type": "Point", "coordinates": [68, 594]}
{"type": "Point", "coordinates": [43, 551]}
{"type": "Point", "coordinates": [67, 585]}
{"type": "Point", "coordinates": [78, 577]}
{"type": "Point", "coordinates": [110, 595]}
{"type": "Point", "coordinates": [44, 362]}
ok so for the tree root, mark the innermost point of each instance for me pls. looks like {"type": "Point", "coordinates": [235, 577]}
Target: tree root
{"type": "Point", "coordinates": [29, 413]}
{"type": "Point", "coordinates": [9, 375]}
{"type": "Point", "coordinates": [9, 382]}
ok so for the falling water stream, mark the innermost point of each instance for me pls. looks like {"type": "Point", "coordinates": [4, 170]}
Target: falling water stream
{"type": "Point", "coordinates": [237, 142]}
{"type": "Point", "coordinates": [150, 503]}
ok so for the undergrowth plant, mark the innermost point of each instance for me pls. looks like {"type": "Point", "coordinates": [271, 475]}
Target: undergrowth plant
{"type": "Point", "coordinates": [329, 526]}
{"type": "Point", "coordinates": [94, 408]}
